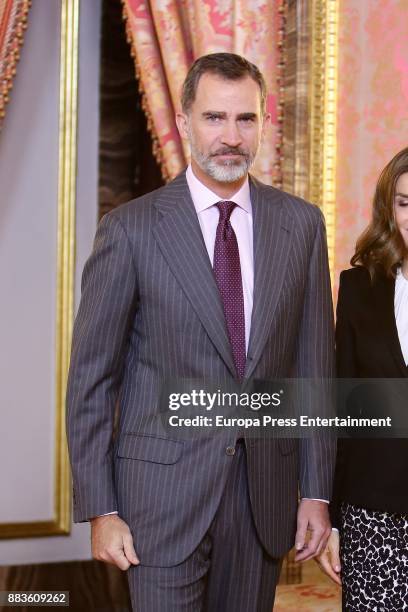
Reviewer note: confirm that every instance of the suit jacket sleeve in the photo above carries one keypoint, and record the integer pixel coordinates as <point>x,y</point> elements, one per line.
<point>346,368</point>
<point>315,360</point>
<point>107,307</point>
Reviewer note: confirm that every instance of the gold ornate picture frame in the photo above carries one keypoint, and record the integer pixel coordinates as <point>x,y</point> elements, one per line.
<point>61,522</point>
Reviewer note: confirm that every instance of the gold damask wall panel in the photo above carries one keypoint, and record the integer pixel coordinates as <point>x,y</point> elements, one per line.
<point>372,109</point>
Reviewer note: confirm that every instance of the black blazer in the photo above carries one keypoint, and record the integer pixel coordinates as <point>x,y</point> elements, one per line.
<point>371,473</point>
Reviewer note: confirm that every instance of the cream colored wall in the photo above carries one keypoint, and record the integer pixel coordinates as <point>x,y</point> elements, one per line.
<point>28,226</point>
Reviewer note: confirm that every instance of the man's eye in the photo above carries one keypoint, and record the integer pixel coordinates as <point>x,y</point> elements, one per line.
<point>247,119</point>
<point>213,117</point>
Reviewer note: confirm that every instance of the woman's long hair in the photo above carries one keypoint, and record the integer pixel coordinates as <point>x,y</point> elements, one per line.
<point>381,248</point>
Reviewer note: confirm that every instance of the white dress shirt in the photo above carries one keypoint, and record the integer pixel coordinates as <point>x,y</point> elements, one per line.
<point>401,311</point>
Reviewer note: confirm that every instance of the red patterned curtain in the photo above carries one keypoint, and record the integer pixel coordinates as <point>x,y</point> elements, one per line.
<point>166,36</point>
<point>13,22</point>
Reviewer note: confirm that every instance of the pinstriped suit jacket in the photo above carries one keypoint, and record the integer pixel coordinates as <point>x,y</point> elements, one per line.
<point>150,309</point>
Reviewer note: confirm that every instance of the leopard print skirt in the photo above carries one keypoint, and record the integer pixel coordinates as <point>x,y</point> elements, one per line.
<point>374,557</point>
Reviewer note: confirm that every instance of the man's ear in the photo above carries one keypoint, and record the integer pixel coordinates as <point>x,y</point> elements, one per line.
<point>182,125</point>
<point>265,122</point>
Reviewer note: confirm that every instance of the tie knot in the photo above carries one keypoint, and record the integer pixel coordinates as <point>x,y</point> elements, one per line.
<point>225,209</point>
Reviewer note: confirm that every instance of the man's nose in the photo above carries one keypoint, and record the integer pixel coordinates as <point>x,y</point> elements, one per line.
<point>231,134</point>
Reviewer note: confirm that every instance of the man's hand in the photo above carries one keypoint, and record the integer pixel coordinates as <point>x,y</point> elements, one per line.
<point>312,516</point>
<point>329,558</point>
<point>112,541</point>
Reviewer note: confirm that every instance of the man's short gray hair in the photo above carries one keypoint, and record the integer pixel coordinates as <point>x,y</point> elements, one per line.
<point>229,66</point>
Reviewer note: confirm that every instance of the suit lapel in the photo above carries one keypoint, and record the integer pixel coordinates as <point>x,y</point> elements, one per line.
<point>385,290</point>
<point>272,243</point>
<point>180,240</point>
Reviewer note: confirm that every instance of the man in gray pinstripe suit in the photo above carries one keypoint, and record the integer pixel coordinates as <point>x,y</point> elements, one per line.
<point>215,276</point>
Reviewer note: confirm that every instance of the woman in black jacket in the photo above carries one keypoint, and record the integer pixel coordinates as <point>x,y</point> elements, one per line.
<point>370,496</point>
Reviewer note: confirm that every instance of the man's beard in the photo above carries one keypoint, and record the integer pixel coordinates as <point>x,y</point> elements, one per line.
<point>229,170</point>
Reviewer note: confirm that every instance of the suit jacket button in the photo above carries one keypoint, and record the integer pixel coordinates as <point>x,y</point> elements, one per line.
<point>230,450</point>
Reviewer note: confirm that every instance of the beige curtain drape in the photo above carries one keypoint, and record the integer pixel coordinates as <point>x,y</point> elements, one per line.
<point>166,36</point>
<point>13,22</point>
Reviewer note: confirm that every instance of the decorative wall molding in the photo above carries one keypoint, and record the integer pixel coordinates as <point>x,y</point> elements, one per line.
<point>310,106</point>
<point>323,113</point>
<point>295,165</point>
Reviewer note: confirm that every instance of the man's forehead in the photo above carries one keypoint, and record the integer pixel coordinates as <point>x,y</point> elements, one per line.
<point>209,79</point>
<point>215,93</point>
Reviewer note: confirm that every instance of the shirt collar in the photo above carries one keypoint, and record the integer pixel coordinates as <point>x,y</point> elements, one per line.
<point>205,198</point>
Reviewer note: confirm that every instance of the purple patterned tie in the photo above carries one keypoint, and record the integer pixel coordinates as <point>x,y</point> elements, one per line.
<point>227,272</point>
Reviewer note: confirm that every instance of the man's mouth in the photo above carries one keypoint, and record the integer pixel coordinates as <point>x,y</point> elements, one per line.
<point>227,153</point>
<point>229,156</point>
<point>232,155</point>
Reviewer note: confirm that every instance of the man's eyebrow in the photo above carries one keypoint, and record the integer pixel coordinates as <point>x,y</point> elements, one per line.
<point>247,116</point>
<point>211,113</point>
<point>223,114</point>
<point>402,195</point>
